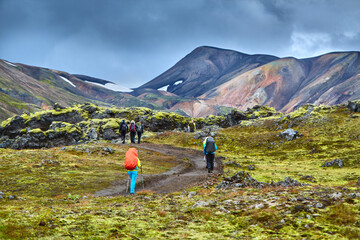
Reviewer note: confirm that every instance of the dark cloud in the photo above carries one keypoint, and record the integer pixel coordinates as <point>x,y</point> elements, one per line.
<point>131,42</point>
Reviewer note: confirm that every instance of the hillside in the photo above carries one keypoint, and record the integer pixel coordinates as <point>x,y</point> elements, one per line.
<point>213,80</point>
<point>274,185</point>
<point>25,88</point>
<point>207,81</point>
<point>204,69</point>
<point>288,83</point>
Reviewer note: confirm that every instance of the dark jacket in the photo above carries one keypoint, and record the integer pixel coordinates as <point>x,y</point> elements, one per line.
<point>122,129</point>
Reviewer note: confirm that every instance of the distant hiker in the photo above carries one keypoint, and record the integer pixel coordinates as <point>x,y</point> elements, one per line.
<point>123,130</point>
<point>192,126</point>
<point>139,130</point>
<point>209,149</point>
<point>132,131</point>
<point>132,164</point>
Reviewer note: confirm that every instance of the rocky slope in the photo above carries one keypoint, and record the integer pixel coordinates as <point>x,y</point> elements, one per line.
<point>204,69</point>
<point>25,88</point>
<point>207,81</point>
<point>288,83</point>
<point>88,122</point>
<point>218,78</point>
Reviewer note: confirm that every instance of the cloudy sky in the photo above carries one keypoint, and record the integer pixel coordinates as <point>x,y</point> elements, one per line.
<point>130,42</point>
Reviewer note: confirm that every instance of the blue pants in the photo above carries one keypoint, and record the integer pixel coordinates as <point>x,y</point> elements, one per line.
<point>133,176</point>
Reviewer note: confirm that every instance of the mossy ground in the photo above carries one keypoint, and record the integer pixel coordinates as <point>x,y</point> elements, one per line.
<point>54,201</point>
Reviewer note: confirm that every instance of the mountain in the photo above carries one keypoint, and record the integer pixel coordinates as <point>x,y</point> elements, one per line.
<point>288,83</point>
<point>206,81</point>
<point>215,79</point>
<point>204,69</point>
<point>25,88</point>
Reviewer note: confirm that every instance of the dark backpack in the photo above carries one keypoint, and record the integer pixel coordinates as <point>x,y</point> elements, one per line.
<point>132,127</point>
<point>210,145</point>
<point>123,127</point>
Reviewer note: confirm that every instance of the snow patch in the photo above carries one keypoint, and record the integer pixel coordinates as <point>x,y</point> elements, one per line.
<point>11,64</point>
<point>68,81</point>
<point>178,82</point>
<point>163,88</point>
<point>112,86</point>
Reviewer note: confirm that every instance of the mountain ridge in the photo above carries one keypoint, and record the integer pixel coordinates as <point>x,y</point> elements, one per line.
<point>208,80</point>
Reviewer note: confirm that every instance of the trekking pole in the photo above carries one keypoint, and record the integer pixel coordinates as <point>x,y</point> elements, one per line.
<point>127,185</point>
<point>142,179</point>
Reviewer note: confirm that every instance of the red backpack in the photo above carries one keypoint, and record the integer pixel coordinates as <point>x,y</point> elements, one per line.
<point>131,159</point>
<point>132,127</point>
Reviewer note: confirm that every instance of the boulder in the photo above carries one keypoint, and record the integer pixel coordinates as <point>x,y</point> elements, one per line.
<point>289,134</point>
<point>334,163</point>
<point>110,134</point>
<point>243,179</point>
<point>353,106</point>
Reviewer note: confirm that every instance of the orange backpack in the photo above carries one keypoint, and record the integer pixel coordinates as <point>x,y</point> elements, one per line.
<point>131,159</point>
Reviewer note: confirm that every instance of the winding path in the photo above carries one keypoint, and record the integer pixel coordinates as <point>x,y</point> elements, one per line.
<point>178,178</point>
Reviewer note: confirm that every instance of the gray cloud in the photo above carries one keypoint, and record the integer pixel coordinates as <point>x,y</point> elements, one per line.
<point>130,42</point>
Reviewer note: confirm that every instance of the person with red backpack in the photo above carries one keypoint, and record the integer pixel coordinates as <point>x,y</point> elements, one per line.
<point>209,149</point>
<point>132,164</point>
<point>132,131</point>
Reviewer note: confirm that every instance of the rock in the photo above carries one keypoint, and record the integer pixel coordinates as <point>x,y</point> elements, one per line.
<point>350,195</point>
<point>289,134</point>
<point>58,107</point>
<point>1,193</point>
<point>335,196</point>
<point>12,197</point>
<point>288,182</point>
<point>49,162</point>
<point>108,149</point>
<point>201,204</point>
<point>110,134</point>
<point>13,128</point>
<point>259,206</point>
<point>353,106</point>
<point>319,205</point>
<point>231,163</point>
<point>308,178</point>
<point>93,134</point>
<point>1,197</point>
<point>199,135</point>
<point>227,202</point>
<point>336,163</point>
<point>251,167</point>
<point>191,194</point>
<point>224,210</point>
<point>42,223</point>
<point>243,179</point>
<point>235,117</point>
<point>300,207</point>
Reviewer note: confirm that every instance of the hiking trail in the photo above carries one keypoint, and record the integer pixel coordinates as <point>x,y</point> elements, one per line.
<point>183,176</point>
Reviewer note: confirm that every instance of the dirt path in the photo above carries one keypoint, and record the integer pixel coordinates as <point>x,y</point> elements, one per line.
<point>178,178</point>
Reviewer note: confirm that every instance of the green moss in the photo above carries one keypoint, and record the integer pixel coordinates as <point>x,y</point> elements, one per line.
<point>6,122</point>
<point>36,130</point>
<point>112,123</point>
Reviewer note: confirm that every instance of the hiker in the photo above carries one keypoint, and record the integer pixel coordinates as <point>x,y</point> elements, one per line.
<point>132,131</point>
<point>132,164</point>
<point>192,126</point>
<point>139,130</point>
<point>123,130</point>
<point>209,149</point>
